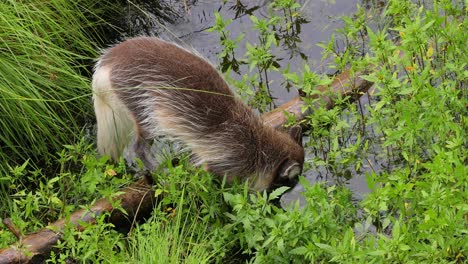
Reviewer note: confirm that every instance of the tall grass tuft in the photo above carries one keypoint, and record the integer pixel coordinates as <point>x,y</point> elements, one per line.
<point>44,96</point>
<point>179,239</point>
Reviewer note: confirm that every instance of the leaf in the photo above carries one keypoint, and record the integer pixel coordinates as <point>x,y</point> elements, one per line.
<point>405,155</point>
<point>396,230</point>
<point>55,200</point>
<point>268,241</point>
<point>377,253</point>
<point>451,144</point>
<point>292,77</point>
<point>228,197</point>
<point>278,192</point>
<point>379,105</point>
<point>110,172</point>
<point>280,244</point>
<point>54,179</point>
<point>430,51</point>
<point>406,91</point>
<point>158,192</point>
<point>254,19</point>
<point>327,248</point>
<point>404,247</point>
<point>370,181</point>
<point>299,251</point>
<point>428,25</point>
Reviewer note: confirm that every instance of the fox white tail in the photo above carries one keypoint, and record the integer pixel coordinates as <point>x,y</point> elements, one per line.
<point>115,125</point>
<point>146,87</point>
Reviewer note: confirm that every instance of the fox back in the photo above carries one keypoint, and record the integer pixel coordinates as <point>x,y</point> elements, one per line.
<point>146,87</point>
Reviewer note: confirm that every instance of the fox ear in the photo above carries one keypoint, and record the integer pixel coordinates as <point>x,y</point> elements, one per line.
<point>295,133</point>
<point>289,170</point>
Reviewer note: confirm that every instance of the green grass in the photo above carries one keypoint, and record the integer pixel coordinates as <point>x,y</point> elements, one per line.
<point>173,239</point>
<point>44,91</point>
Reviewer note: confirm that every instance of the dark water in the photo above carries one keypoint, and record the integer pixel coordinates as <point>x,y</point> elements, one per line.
<point>187,22</point>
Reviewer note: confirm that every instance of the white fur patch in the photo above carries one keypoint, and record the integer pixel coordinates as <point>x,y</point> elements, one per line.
<point>115,126</point>
<point>294,171</point>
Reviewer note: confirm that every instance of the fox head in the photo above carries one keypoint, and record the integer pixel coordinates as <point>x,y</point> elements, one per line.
<point>282,161</point>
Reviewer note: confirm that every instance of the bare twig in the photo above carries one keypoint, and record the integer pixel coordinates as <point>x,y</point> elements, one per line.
<point>13,228</point>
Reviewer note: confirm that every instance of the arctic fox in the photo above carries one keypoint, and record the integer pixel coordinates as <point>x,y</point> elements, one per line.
<point>146,87</point>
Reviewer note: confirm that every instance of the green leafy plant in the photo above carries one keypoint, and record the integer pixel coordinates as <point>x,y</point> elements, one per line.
<point>255,85</point>
<point>271,234</point>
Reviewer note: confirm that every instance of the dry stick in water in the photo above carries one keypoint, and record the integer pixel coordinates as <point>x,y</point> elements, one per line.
<point>138,199</point>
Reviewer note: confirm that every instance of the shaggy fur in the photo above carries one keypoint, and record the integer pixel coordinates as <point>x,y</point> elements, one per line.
<point>146,87</point>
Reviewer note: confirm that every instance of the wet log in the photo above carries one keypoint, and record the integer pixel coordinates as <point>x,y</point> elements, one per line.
<point>342,85</point>
<point>138,199</point>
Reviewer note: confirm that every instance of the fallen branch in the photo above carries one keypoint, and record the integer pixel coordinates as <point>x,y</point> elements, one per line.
<point>138,199</point>
<point>342,85</point>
